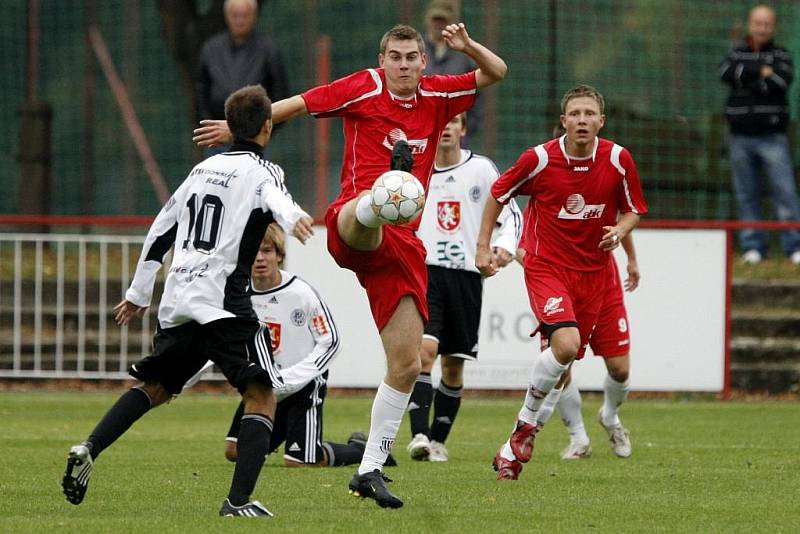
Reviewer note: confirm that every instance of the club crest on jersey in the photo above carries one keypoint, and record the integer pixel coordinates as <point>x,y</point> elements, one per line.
<point>553,305</point>
<point>320,325</point>
<point>298,317</point>
<point>448,215</point>
<point>417,146</point>
<point>576,208</point>
<point>274,335</point>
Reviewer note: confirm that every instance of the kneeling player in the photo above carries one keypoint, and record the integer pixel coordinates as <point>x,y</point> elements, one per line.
<point>304,343</point>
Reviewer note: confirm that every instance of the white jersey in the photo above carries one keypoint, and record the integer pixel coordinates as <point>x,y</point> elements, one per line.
<point>216,220</point>
<point>453,209</point>
<point>304,337</point>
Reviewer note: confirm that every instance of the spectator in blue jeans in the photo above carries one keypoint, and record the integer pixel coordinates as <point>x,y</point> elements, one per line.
<point>759,74</point>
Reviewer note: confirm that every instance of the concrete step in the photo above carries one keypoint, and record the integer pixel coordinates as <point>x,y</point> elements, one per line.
<point>762,350</point>
<point>767,294</point>
<point>765,323</point>
<point>780,378</point>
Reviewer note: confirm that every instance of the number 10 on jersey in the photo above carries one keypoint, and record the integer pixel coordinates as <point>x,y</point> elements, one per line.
<point>205,221</point>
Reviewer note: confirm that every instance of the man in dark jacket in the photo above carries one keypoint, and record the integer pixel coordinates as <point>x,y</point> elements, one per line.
<point>759,74</point>
<point>237,57</point>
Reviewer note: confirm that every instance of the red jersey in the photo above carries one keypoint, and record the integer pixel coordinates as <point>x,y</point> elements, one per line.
<point>374,119</point>
<point>572,199</point>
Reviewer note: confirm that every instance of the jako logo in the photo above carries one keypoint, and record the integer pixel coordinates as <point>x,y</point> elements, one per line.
<point>580,169</point>
<point>576,208</point>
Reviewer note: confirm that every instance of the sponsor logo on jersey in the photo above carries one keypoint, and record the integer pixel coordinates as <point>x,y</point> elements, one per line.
<point>452,253</point>
<point>582,168</point>
<point>298,317</point>
<point>320,325</point>
<point>274,335</point>
<point>448,215</point>
<point>475,193</point>
<point>553,305</point>
<point>418,146</point>
<point>576,208</point>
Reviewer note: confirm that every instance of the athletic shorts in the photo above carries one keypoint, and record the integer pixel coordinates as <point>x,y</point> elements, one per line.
<point>298,423</point>
<point>393,270</point>
<point>611,336</point>
<point>240,348</point>
<point>563,297</point>
<point>454,305</point>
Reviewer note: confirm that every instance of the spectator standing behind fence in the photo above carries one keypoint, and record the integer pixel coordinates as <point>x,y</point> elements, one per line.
<point>237,57</point>
<point>444,60</point>
<point>759,74</point>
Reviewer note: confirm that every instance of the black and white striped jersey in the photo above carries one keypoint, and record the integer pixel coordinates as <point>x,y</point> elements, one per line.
<point>304,336</point>
<point>454,204</point>
<point>216,220</point>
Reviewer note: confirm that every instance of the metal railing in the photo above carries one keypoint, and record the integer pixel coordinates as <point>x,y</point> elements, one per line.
<point>57,293</point>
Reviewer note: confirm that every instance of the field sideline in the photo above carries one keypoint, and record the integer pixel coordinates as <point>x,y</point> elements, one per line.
<point>697,466</point>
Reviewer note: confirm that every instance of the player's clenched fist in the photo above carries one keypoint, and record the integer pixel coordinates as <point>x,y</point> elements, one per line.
<point>303,228</point>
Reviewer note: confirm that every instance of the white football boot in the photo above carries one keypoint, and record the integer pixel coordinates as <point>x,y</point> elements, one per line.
<point>420,447</point>
<point>576,451</point>
<point>619,439</point>
<point>438,452</point>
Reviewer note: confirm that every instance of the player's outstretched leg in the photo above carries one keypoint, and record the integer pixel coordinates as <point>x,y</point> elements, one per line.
<point>507,467</point>
<point>372,485</point>
<point>76,477</point>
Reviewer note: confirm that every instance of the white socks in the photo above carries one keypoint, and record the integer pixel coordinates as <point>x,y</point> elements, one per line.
<point>547,407</point>
<point>364,212</point>
<point>545,374</point>
<point>387,414</point>
<point>569,406</point>
<point>614,394</point>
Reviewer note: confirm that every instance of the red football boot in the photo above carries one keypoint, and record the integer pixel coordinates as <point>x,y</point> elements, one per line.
<point>506,469</point>
<point>522,440</point>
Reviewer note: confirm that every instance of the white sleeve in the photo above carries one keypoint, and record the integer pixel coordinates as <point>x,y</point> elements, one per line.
<point>160,239</point>
<point>276,198</point>
<point>509,229</point>
<point>326,347</point>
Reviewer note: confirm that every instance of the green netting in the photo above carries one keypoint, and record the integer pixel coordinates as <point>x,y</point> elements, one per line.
<point>655,61</point>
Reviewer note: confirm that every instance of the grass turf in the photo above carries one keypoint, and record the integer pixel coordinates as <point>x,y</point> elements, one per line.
<point>697,466</point>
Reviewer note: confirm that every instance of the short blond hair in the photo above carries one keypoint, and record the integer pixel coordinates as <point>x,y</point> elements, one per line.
<point>277,238</point>
<point>582,90</point>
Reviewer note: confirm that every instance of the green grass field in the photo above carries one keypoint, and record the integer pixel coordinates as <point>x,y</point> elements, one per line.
<point>697,466</point>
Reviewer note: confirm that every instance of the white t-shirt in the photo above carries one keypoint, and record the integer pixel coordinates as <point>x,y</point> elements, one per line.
<point>216,220</point>
<point>451,220</point>
<point>304,336</point>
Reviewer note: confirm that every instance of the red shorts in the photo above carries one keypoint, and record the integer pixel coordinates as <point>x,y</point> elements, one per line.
<point>611,337</point>
<point>560,296</point>
<point>393,270</point>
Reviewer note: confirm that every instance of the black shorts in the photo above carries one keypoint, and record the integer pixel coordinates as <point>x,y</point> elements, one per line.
<point>298,423</point>
<point>454,304</point>
<point>240,348</point>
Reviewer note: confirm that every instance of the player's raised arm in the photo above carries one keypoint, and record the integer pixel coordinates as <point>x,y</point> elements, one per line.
<point>491,68</point>
<point>213,133</point>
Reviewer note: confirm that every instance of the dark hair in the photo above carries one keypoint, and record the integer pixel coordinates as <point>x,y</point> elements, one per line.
<point>580,91</point>
<point>246,111</point>
<point>402,32</point>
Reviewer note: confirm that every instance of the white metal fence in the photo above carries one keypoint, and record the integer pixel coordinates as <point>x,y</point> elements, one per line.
<point>57,293</point>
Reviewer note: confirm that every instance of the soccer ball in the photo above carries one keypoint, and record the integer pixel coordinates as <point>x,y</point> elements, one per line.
<point>397,197</point>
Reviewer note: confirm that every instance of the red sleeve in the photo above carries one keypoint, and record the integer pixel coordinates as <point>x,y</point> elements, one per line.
<point>631,196</point>
<point>338,97</point>
<point>459,92</point>
<point>510,182</point>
